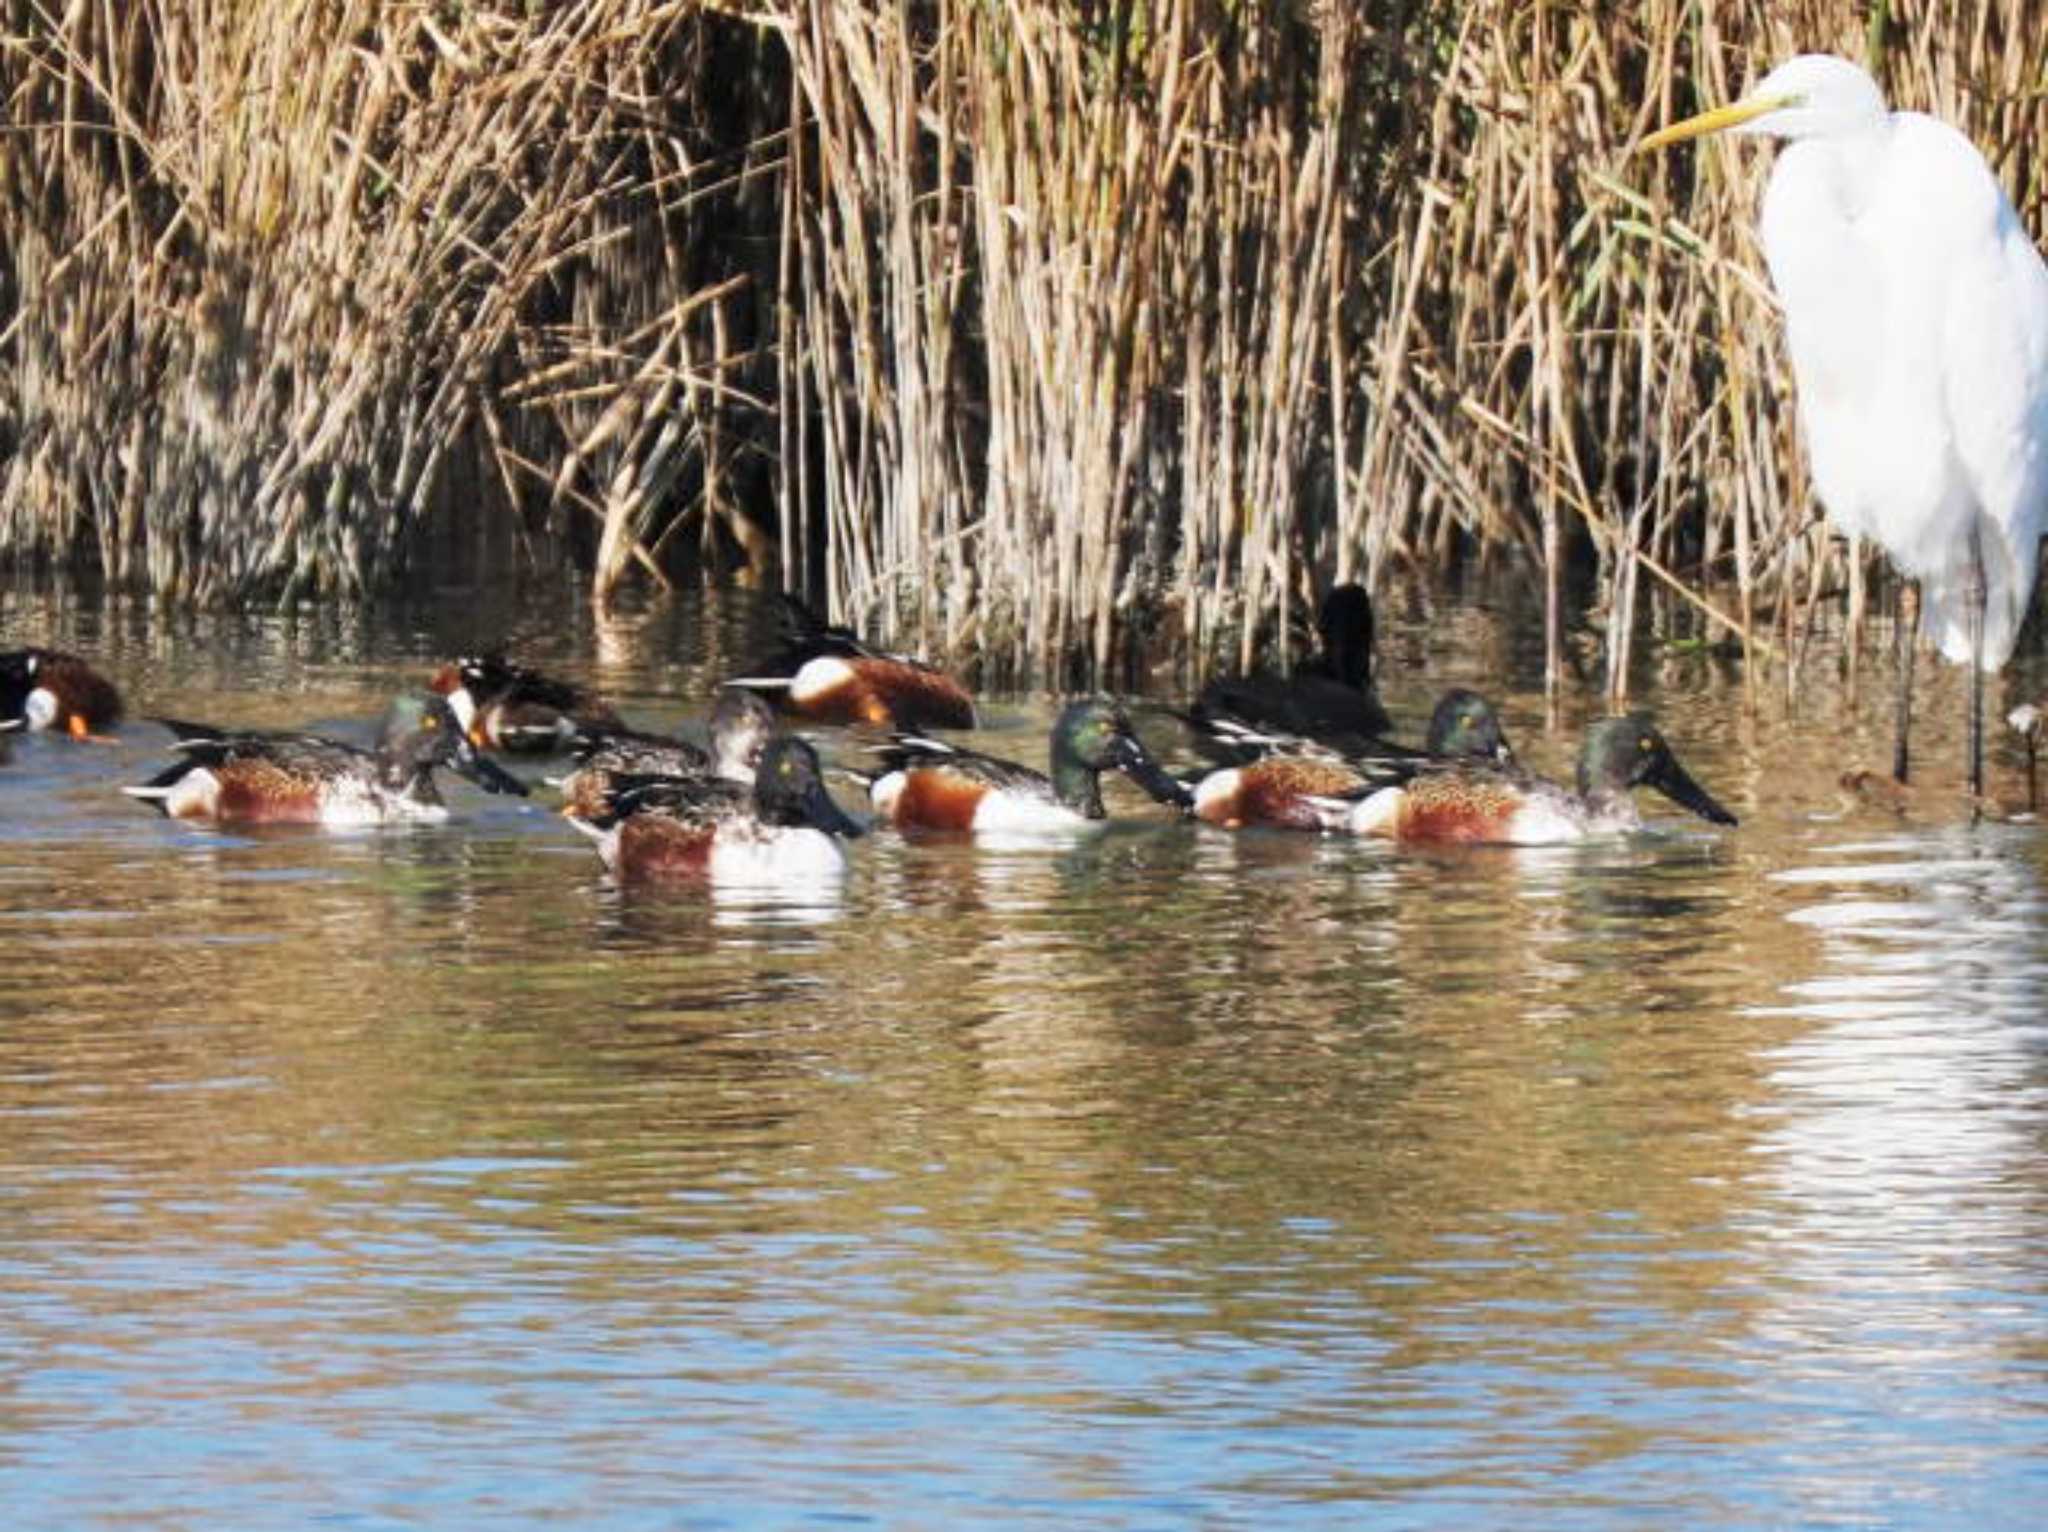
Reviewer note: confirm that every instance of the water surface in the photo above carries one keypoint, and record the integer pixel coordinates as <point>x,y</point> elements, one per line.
<point>1166,1178</point>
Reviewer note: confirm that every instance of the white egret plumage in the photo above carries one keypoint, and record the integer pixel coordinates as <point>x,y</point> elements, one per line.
<point>1916,315</point>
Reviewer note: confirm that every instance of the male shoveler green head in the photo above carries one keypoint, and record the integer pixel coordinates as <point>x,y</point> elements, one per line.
<point>264,777</point>
<point>741,727</point>
<point>1285,787</point>
<point>50,689</point>
<point>935,786</point>
<point>1328,699</point>
<point>825,673</point>
<point>503,706</point>
<point>782,828</point>
<point>1464,727</point>
<point>1491,807</point>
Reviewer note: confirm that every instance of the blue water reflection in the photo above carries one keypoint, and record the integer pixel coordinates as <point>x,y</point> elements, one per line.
<point>1162,1177</point>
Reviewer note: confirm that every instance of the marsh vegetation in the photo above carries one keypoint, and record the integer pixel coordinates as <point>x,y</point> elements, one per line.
<point>1045,333</point>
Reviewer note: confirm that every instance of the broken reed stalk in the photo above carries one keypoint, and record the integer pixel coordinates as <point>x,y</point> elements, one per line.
<point>1034,330</point>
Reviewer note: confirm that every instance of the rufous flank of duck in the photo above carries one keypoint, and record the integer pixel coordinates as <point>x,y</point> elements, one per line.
<point>782,828</point>
<point>928,784</point>
<point>1473,806</point>
<point>827,674</point>
<point>505,706</point>
<point>271,777</point>
<point>55,690</point>
<point>1280,788</point>
<point>1329,697</point>
<point>741,726</point>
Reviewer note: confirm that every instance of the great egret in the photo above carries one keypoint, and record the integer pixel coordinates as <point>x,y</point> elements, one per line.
<point>1916,313</point>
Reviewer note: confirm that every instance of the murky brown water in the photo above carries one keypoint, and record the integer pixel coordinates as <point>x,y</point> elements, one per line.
<point>1169,1178</point>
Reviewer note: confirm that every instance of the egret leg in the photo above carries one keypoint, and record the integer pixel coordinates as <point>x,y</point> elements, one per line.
<point>1904,631</point>
<point>1976,597</point>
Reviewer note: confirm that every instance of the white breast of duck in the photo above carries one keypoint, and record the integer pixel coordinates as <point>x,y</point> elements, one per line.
<point>820,678</point>
<point>357,803</point>
<point>945,797</point>
<point>39,708</point>
<point>1554,817</point>
<point>748,854</point>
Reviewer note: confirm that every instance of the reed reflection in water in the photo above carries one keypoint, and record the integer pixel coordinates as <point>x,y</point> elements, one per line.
<point>1160,1176</point>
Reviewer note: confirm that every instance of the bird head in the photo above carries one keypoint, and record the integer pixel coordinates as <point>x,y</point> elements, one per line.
<point>1812,96</point>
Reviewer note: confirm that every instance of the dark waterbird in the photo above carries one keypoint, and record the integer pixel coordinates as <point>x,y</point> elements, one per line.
<point>258,776</point>
<point>937,786</point>
<point>50,689</point>
<point>1329,698</point>
<point>741,727</point>
<point>503,706</point>
<point>1285,775</point>
<point>1494,806</point>
<point>783,826</point>
<point>828,674</point>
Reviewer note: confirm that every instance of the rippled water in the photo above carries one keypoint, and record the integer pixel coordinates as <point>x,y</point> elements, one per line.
<point>1168,1178</point>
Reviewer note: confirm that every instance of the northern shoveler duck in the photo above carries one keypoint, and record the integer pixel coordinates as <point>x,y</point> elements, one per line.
<point>503,706</point>
<point>829,675</point>
<point>936,786</point>
<point>1281,788</point>
<point>1329,698</point>
<point>252,777</point>
<point>784,827</point>
<point>49,689</point>
<point>1482,807</point>
<point>741,727</point>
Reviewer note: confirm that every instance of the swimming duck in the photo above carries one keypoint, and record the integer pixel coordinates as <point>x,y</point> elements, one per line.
<point>1329,698</point>
<point>827,674</point>
<point>50,689</point>
<point>1281,789</point>
<point>1472,806</point>
<point>936,786</point>
<point>263,777</point>
<point>741,726</point>
<point>782,827</point>
<point>503,706</point>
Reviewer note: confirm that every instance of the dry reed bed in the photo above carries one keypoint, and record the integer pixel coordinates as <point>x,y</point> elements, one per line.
<point>1031,331</point>
<point>285,281</point>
